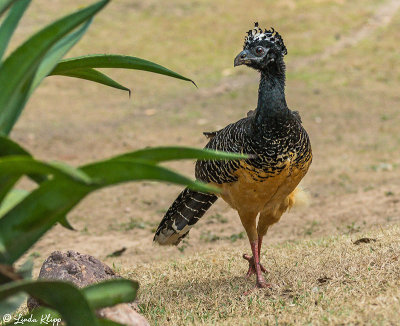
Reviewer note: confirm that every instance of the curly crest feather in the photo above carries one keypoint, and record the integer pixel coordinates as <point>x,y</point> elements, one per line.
<point>257,35</point>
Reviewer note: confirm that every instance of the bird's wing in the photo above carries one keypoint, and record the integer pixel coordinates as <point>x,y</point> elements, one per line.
<point>251,113</point>
<point>297,116</point>
<point>210,134</point>
<point>232,139</point>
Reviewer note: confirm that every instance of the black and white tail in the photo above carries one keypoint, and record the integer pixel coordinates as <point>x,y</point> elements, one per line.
<point>185,211</point>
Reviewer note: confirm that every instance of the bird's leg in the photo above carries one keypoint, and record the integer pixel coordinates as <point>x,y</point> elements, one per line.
<point>248,220</point>
<point>266,219</point>
<point>261,283</point>
<point>252,267</point>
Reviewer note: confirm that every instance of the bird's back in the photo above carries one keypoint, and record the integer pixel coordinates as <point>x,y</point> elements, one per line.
<point>273,146</point>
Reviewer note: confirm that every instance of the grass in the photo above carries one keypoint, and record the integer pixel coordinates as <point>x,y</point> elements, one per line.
<point>318,282</point>
<point>349,105</point>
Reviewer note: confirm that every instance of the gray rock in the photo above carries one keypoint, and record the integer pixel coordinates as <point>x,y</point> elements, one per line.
<point>83,270</point>
<point>124,314</point>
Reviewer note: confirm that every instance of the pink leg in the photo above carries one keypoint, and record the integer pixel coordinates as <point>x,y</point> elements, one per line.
<point>252,267</point>
<point>260,278</point>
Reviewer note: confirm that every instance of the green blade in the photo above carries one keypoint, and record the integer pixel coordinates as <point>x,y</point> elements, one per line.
<point>26,222</point>
<point>65,223</point>
<point>110,293</point>
<point>10,23</point>
<point>43,311</point>
<point>68,300</point>
<point>162,154</point>
<point>6,184</point>
<point>13,198</point>
<point>95,76</point>
<point>37,315</point>
<point>56,53</point>
<point>113,61</point>
<point>12,303</point>
<point>13,167</point>
<point>36,214</point>
<point>112,172</point>
<point>20,165</point>
<point>9,147</point>
<point>18,70</point>
<point>5,4</point>
<point>54,315</point>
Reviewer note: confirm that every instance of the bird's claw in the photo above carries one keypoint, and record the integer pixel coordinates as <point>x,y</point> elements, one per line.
<point>252,267</point>
<point>259,285</point>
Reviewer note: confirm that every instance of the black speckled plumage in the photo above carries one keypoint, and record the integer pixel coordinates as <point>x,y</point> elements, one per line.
<point>277,140</point>
<point>272,134</point>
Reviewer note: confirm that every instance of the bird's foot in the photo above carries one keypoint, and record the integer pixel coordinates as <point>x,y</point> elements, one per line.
<point>260,284</point>
<point>252,267</point>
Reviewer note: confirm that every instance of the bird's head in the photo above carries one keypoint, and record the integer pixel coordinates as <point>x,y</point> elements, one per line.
<point>261,48</point>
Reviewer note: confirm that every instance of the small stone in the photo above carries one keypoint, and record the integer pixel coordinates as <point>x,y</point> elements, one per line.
<point>56,256</point>
<point>83,270</point>
<point>124,314</point>
<point>72,268</point>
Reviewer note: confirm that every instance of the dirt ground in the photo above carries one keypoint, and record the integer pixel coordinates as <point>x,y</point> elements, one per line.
<point>343,77</point>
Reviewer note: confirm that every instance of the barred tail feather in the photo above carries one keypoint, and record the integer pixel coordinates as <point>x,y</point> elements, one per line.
<point>185,211</point>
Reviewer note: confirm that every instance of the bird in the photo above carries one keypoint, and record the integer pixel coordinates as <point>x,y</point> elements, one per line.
<point>264,185</point>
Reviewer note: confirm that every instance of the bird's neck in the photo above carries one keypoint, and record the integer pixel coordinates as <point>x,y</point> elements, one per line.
<point>271,94</point>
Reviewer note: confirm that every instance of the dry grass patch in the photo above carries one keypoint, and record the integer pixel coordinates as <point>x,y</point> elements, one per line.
<point>325,281</point>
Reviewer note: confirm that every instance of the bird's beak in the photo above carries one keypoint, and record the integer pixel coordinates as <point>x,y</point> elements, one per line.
<point>241,58</point>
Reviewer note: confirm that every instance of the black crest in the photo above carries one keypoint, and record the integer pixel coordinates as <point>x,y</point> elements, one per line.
<point>257,34</point>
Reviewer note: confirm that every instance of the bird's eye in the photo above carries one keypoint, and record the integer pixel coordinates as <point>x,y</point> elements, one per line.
<point>259,50</point>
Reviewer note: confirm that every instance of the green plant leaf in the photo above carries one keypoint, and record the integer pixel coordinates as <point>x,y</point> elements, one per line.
<point>111,292</point>
<point>19,69</point>
<point>104,294</point>
<point>56,53</point>
<point>36,214</point>
<point>68,300</point>
<point>6,184</point>
<point>20,165</point>
<point>5,4</point>
<point>12,303</point>
<point>26,222</point>
<point>44,311</point>
<point>65,223</point>
<point>95,76</point>
<point>37,314</point>
<point>10,147</point>
<point>13,198</point>
<point>113,61</point>
<point>162,154</point>
<point>10,23</point>
<point>112,172</point>
<point>7,148</point>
